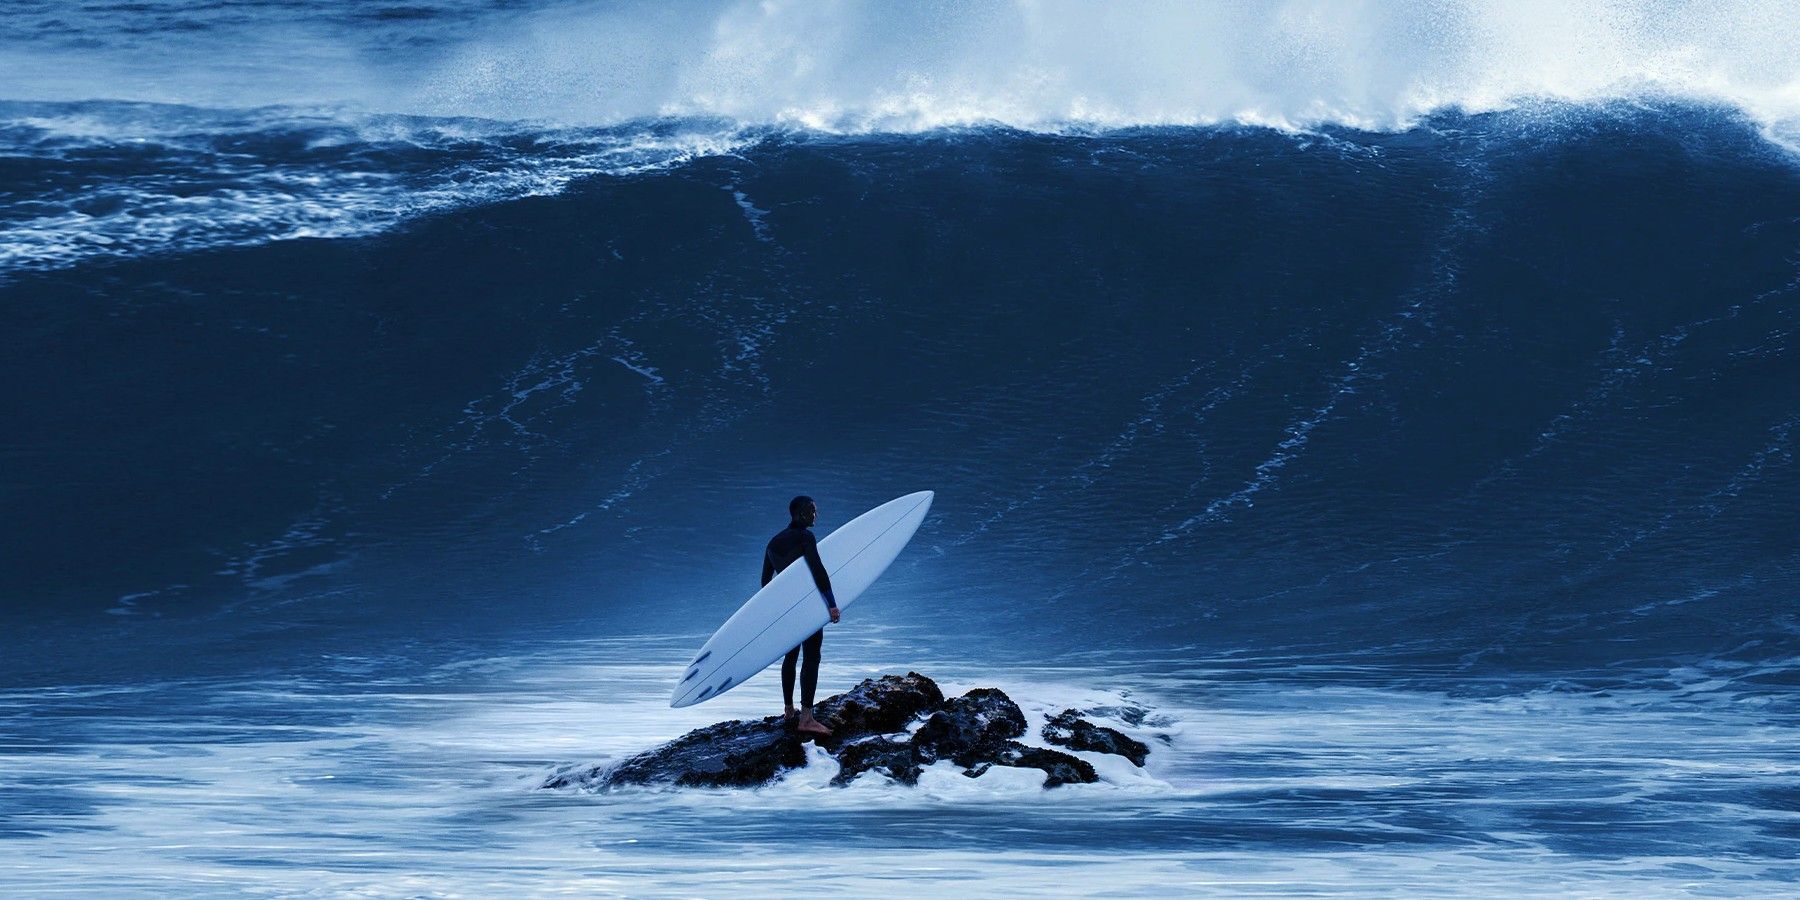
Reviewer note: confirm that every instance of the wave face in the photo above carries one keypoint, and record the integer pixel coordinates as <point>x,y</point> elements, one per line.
<point>1512,390</point>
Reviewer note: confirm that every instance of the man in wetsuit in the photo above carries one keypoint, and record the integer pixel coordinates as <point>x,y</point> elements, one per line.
<point>797,542</point>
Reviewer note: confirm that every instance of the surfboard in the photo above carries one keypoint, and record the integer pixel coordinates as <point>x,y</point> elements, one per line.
<point>789,609</point>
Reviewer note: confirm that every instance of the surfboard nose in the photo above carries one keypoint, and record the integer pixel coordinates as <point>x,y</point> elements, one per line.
<point>925,498</point>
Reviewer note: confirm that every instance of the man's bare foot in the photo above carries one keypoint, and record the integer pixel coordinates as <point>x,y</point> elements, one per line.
<point>788,715</point>
<point>810,724</point>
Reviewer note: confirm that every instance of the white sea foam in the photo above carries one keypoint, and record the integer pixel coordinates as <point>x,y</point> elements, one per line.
<point>742,67</point>
<point>198,198</point>
<point>372,775</point>
<point>868,65</point>
<point>201,180</point>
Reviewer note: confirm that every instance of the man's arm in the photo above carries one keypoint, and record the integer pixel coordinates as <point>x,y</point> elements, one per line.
<point>820,577</point>
<point>768,568</point>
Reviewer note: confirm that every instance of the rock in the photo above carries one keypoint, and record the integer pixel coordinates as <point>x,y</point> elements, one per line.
<point>877,706</point>
<point>976,731</point>
<point>1059,767</point>
<point>970,729</point>
<point>729,754</point>
<point>895,759</point>
<point>869,722</point>
<point>1070,730</point>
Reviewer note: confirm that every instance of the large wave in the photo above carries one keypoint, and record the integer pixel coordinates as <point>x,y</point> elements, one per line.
<point>1504,386</point>
<point>1476,392</point>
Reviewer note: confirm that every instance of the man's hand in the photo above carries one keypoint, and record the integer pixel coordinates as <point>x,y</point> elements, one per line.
<point>834,615</point>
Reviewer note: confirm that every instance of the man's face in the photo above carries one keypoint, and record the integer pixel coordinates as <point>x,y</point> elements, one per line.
<point>810,514</point>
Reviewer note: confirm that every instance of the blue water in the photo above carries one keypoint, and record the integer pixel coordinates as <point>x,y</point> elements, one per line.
<point>398,396</point>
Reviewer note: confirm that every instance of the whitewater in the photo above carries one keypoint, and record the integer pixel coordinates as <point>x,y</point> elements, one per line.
<point>1395,403</point>
<point>332,120</point>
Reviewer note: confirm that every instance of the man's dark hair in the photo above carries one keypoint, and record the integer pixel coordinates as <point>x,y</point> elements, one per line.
<point>798,505</point>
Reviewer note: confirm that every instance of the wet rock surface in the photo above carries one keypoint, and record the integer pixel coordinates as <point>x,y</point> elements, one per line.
<point>1069,729</point>
<point>729,754</point>
<point>870,733</point>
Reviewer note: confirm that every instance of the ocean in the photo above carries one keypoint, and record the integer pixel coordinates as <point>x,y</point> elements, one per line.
<point>1395,400</point>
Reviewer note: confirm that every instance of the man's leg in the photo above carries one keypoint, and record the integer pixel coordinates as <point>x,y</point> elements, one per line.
<point>809,673</point>
<point>809,682</point>
<point>787,681</point>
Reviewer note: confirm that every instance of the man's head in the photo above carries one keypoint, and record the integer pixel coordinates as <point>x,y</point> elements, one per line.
<point>803,510</point>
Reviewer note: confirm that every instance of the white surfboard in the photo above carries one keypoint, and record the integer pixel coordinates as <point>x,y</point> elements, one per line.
<point>789,609</point>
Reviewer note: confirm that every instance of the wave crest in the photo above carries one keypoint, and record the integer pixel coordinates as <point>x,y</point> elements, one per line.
<point>119,180</point>
<point>868,66</point>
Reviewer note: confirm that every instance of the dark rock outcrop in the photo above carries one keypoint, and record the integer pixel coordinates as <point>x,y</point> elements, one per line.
<point>1059,767</point>
<point>895,759</point>
<point>729,754</point>
<point>877,706</point>
<point>970,728</point>
<point>1069,729</point>
<point>869,723</point>
<point>974,731</point>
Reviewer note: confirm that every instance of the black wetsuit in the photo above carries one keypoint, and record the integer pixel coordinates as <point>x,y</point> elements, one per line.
<point>796,542</point>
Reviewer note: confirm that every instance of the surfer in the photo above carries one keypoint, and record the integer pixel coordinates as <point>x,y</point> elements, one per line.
<point>796,542</point>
